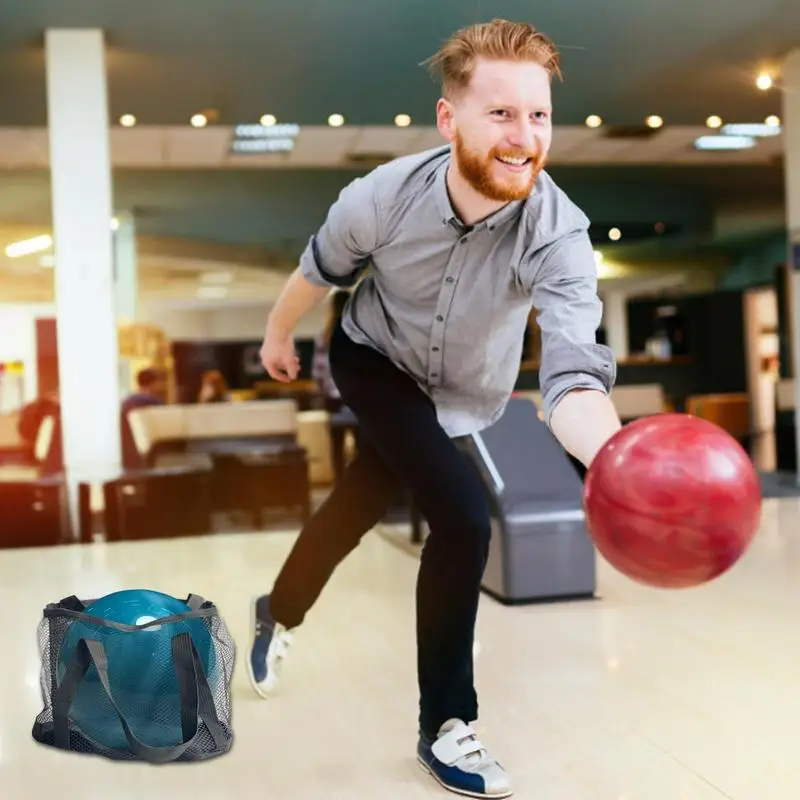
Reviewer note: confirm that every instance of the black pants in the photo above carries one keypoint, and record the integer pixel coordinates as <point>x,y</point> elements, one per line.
<point>402,446</point>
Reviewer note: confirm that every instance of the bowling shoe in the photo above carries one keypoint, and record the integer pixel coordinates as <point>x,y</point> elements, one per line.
<point>459,762</point>
<point>271,643</point>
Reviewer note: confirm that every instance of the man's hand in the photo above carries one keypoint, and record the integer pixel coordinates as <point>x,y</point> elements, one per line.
<point>279,357</point>
<point>297,298</point>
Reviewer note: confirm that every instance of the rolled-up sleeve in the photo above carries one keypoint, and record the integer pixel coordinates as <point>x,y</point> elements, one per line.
<point>339,252</point>
<point>564,292</point>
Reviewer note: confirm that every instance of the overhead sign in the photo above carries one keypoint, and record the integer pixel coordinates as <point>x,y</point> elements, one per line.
<point>264,138</point>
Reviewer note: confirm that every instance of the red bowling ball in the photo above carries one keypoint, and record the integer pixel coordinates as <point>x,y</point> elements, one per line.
<point>672,501</point>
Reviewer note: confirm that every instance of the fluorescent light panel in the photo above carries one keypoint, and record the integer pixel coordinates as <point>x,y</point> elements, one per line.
<point>724,142</point>
<point>750,129</point>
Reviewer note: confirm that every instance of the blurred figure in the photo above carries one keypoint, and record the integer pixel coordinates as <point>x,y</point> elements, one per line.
<point>151,391</point>
<point>213,388</point>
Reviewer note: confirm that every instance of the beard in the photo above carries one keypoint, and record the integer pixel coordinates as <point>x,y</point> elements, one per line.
<point>481,171</point>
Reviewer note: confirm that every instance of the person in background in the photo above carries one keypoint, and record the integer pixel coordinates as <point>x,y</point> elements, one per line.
<point>342,419</point>
<point>213,388</point>
<point>30,420</point>
<point>151,390</point>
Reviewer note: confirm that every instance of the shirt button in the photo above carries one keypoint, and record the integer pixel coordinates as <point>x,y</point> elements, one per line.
<point>435,349</point>
<point>434,374</point>
<point>450,279</point>
<point>464,240</point>
<point>439,318</point>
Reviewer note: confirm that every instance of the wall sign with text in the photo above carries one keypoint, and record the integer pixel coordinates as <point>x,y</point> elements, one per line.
<point>258,139</point>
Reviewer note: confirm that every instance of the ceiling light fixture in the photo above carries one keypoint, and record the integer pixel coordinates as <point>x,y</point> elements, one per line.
<point>654,121</point>
<point>593,121</point>
<point>212,292</point>
<point>268,120</point>
<point>335,120</point>
<point>724,142</point>
<point>199,121</point>
<point>402,120</point>
<point>216,278</point>
<point>714,121</point>
<point>764,81</point>
<point>773,121</point>
<point>615,234</point>
<point>751,129</point>
<point>29,246</point>
<point>127,120</point>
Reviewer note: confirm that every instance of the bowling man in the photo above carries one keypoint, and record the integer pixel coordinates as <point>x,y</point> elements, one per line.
<point>448,250</point>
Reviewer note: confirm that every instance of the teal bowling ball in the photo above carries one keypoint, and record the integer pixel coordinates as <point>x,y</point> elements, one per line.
<point>141,671</point>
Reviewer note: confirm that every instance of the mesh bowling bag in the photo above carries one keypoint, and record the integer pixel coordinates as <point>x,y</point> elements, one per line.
<point>153,688</point>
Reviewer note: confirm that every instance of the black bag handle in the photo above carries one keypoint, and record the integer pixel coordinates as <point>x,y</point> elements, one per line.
<point>197,701</point>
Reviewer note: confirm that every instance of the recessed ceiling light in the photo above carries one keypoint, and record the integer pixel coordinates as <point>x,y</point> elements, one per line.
<point>593,121</point>
<point>402,120</point>
<point>654,121</point>
<point>127,120</point>
<point>773,121</point>
<point>615,234</point>
<point>199,121</point>
<point>335,120</point>
<point>714,121</point>
<point>268,120</point>
<point>764,81</point>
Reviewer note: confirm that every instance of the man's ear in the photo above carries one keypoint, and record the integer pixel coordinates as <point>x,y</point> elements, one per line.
<point>445,121</point>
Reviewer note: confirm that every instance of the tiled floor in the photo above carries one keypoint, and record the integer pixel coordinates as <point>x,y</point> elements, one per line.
<point>641,695</point>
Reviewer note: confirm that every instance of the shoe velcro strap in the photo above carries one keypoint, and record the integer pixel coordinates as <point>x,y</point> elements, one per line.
<point>455,745</point>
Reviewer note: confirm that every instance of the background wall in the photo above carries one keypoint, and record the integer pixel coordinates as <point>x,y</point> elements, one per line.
<point>223,323</point>
<point>18,338</point>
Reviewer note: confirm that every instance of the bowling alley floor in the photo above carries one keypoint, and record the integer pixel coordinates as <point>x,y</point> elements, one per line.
<point>639,695</point>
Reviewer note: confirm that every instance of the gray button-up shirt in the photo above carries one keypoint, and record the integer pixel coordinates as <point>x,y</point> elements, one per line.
<point>449,304</point>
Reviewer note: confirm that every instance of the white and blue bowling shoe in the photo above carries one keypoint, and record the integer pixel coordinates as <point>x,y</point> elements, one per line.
<point>270,646</point>
<point>459,762</point>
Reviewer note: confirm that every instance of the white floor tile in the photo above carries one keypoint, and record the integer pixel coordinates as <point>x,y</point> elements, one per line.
<point>640,695</point>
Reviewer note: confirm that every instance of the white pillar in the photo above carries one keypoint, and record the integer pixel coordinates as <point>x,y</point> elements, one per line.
<point>126,270</point>
<point>615,312</point>
<point>84,285</point>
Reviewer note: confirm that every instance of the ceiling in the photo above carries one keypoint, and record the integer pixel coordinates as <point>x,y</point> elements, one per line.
<point>275,211</point>
<point>169,274</point>
<point>301,61</point>
<point>351,147</point>
<point>172,276</point>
